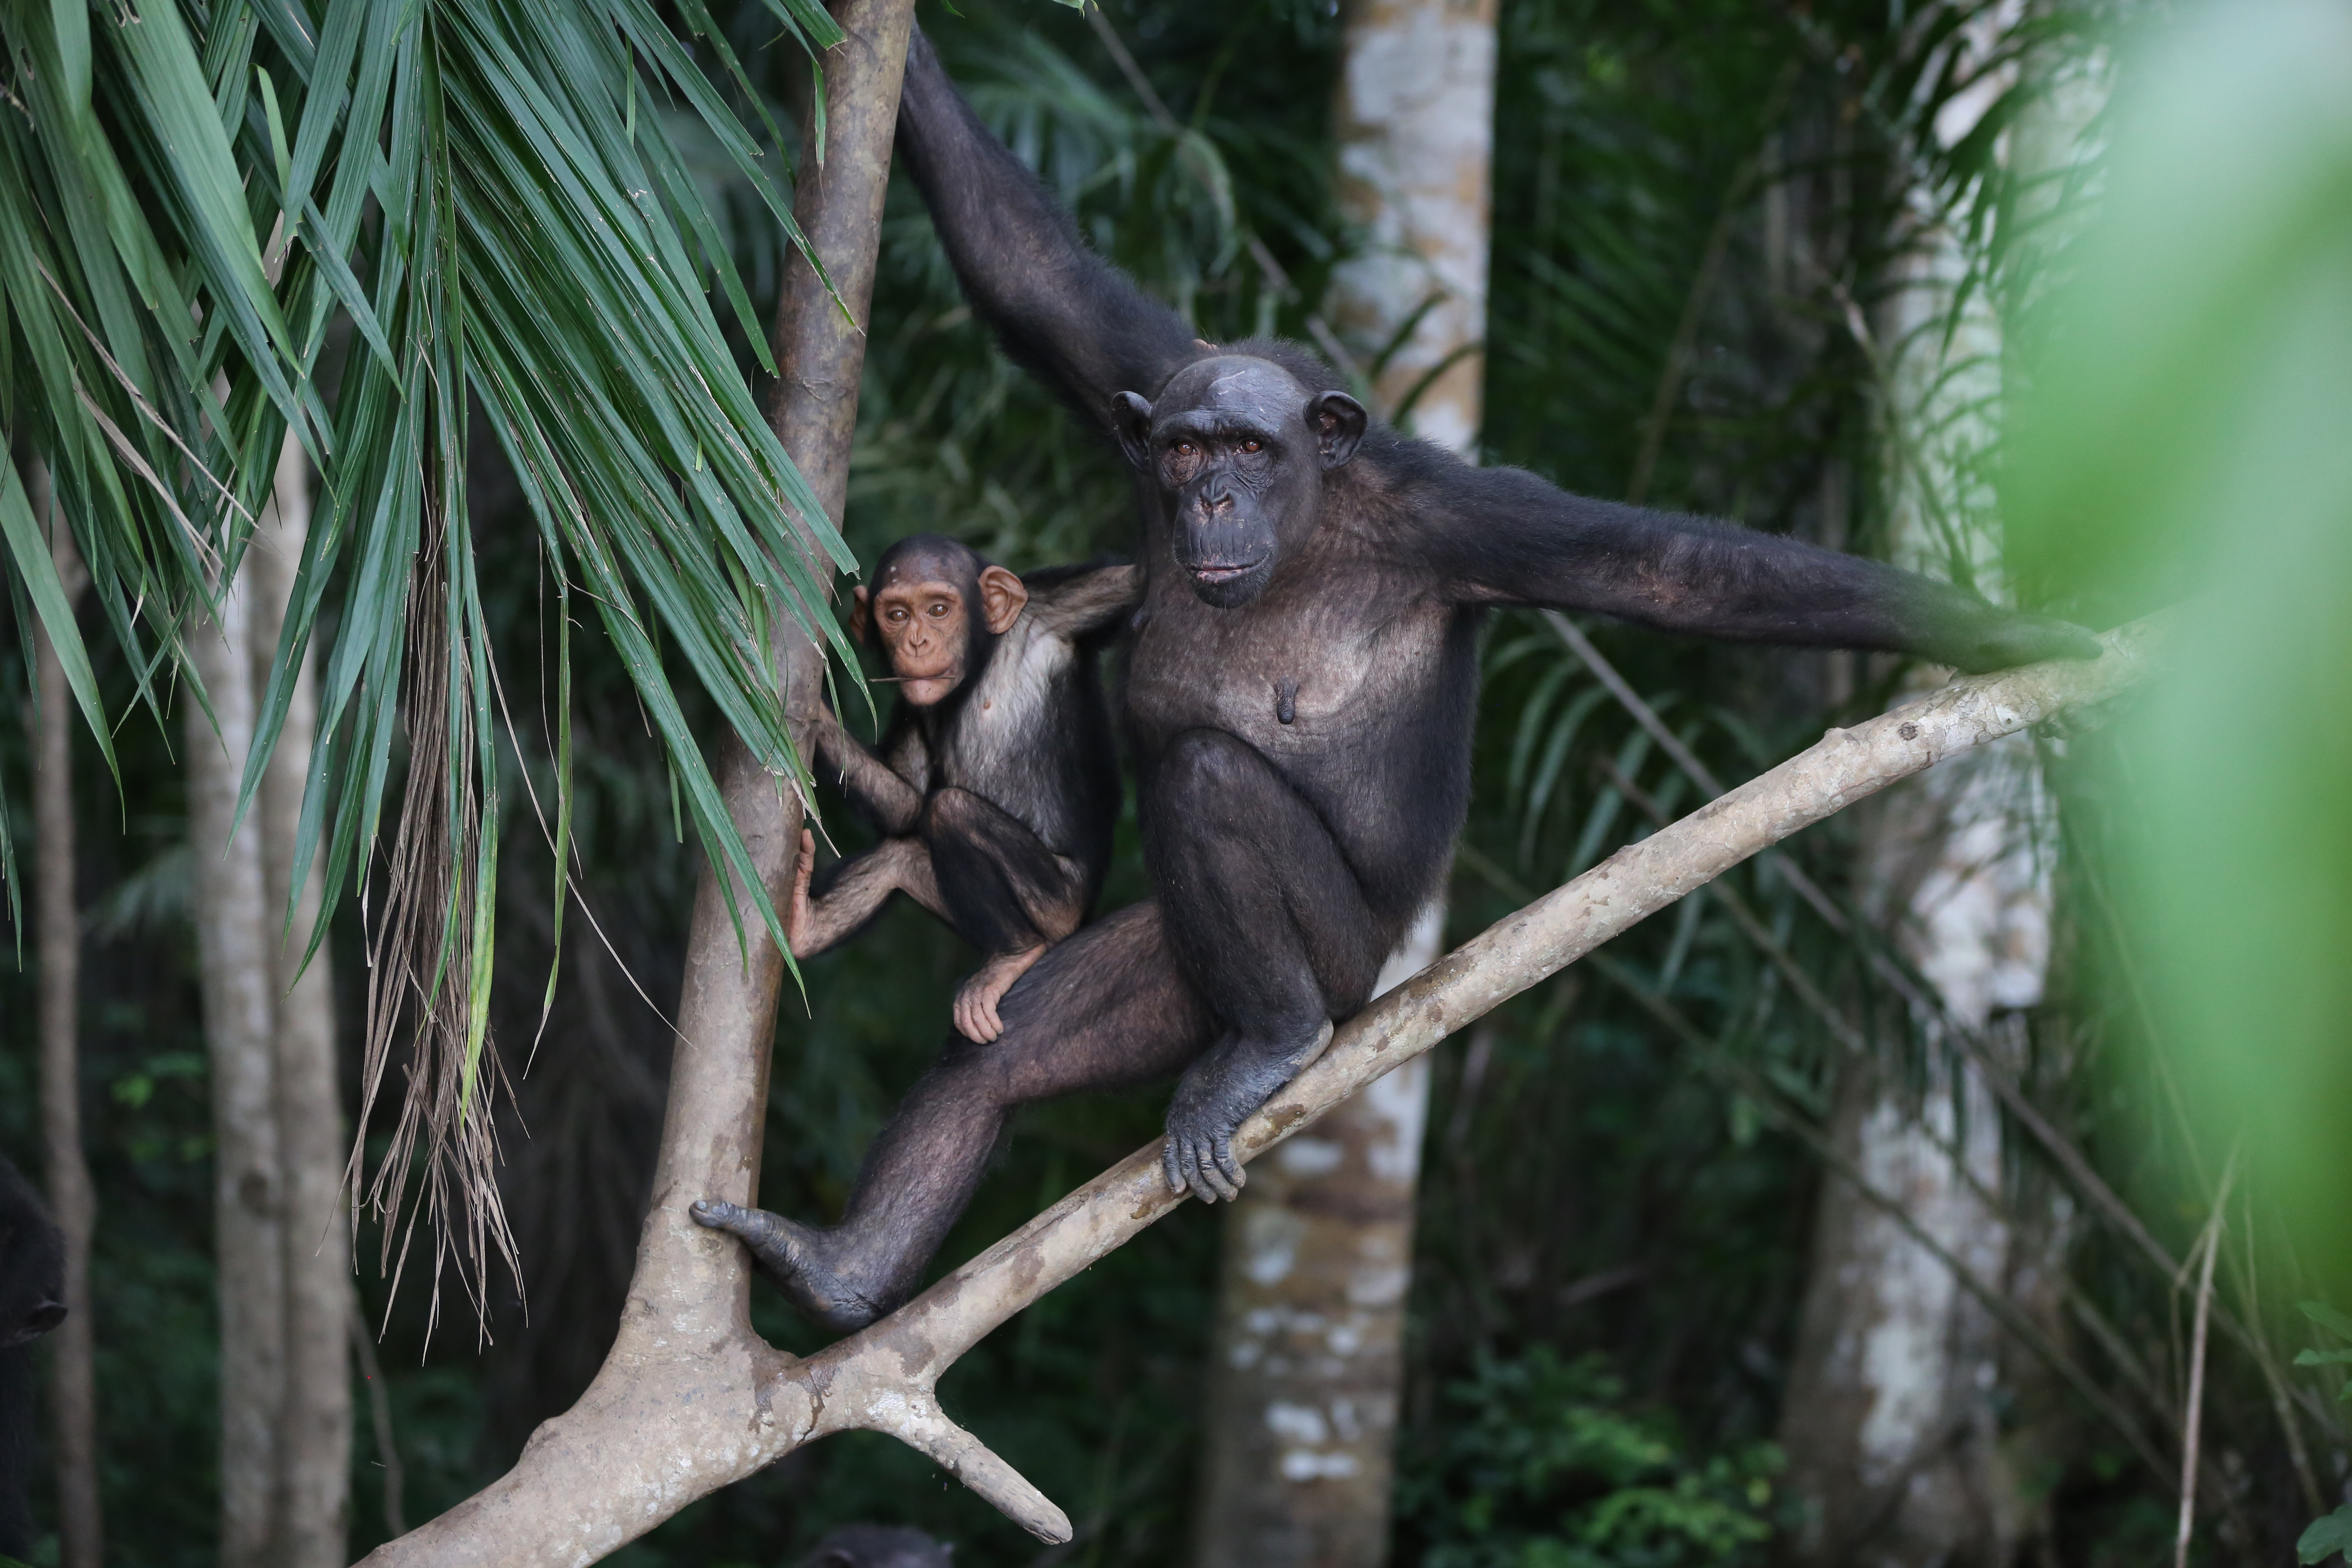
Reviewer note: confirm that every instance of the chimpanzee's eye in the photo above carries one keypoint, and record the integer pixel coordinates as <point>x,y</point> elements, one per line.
<point>1185,448</point>
<point>1253,445</point>
<point>939,608</point>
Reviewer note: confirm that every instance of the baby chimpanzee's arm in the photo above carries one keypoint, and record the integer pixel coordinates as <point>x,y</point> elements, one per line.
<point>889,795</point>
<point>1502,536</point>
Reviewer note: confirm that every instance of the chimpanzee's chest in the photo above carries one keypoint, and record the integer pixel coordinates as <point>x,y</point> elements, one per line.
<point>1316,676</point>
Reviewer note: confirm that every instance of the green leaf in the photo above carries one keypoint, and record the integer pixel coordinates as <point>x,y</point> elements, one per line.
<point>2326,1537</point>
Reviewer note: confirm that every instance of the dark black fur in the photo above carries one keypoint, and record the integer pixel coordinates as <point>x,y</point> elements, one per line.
<point>1300,693</point>
<point>32,1302</point>
<point>877,1546</point>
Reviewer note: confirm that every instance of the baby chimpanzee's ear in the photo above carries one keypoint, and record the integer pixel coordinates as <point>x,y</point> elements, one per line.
<point>1338,421</point>
<point>1001,596</point>
<point>861,617</point>
<point>1131,417</point>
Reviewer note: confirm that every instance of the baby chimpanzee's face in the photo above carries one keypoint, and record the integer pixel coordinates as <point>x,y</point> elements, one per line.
<point>926,631</point>
<point>934,629</point>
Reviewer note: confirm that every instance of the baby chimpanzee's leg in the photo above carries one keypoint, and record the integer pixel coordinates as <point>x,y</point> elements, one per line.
<point>1103,1010</point>
<point>1007,892</point>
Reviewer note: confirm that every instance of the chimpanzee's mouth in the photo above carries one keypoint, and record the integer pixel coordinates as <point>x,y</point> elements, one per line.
<point>1212,574</point>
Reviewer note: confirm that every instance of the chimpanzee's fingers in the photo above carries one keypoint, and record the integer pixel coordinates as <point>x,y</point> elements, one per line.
<point>1231,1165</point>
<point>1167,1167</point>
<point>716,1213</point>
<point>990,1019</point>
<point>1208,1181</point>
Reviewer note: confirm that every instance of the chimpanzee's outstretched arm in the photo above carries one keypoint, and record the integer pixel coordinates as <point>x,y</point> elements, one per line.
<point>1502,536</point>
<point>1058,309</point>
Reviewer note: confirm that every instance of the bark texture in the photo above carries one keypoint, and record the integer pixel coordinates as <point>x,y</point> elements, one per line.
<point>72,1199</point>
<point>315,1426</point>
<point>1416,132</point>
<point>280,1245</point>
<point>234,948</point>
<point>690,1399</point>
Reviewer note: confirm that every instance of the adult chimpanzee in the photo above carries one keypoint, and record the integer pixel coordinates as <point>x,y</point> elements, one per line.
<point>1299,696</point>
<point>996,788</point>
<point>32,1288</point>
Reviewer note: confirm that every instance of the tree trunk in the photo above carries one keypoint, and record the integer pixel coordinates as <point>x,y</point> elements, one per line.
<point>1893,1424</point>
<point>233,927</point>
<point>315,1427</point>
<point>72,1199</point>
<point>1310,1349</point>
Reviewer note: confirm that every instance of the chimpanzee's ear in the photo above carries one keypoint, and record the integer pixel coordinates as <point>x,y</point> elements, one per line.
<point>1338,421</point>
<point>1002,595</point>
<point>861,617</point>
<point>1131,417</point>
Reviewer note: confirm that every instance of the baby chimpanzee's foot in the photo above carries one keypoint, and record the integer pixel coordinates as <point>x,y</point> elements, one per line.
<point>976,1018</point>
<point>793,1254</point>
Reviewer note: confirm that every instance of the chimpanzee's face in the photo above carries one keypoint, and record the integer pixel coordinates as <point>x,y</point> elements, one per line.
<point>1242,448</point>
<point>933,618</point>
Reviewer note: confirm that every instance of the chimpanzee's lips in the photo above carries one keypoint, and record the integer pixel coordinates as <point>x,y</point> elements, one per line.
<point>1209,573</point>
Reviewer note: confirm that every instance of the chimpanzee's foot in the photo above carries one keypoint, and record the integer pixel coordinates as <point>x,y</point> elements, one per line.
<point>1216,1094</point>
<point>975,1005</point>
<point>793,1254</point>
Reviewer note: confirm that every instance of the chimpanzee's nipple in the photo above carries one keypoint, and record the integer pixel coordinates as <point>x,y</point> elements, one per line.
<point>1286,699</point>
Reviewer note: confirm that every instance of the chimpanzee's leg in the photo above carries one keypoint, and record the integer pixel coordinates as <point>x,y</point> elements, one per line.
<point>1008,894</point>
<point>1268,924</point>
<point>1105,1009</point>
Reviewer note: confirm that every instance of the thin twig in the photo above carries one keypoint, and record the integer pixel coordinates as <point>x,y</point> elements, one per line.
<point>2211,1243</point>
<point>387,1452</point>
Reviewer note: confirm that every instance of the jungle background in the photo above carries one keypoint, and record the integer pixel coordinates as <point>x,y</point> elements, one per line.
<point>1703,215</point>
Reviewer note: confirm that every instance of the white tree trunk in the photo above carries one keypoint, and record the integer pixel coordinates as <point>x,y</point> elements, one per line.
<point>1892,1424</point>
<point>233,930</point>
<point>281,1247</point>
<point>1309,1356</point>
<point>315,1429</point>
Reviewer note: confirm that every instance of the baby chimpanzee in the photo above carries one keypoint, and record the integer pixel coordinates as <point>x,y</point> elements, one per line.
<point>32,1283</point>
<point>995,787</point>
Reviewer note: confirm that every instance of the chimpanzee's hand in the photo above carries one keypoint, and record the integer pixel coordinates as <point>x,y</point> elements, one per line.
<point>2017,637</point>
<point>797,919</point>
<point>1216,1094</point>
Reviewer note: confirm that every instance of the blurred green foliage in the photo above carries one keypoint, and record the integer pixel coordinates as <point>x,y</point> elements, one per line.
<point>1541,1464</point>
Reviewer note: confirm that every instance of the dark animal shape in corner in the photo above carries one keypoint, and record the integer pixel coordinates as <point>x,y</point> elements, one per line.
<point>879,1546</point>
<point>1299,696</point>
<point>32,1288</point>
